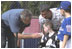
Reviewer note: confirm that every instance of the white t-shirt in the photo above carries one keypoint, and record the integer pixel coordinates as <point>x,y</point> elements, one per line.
<point>56,18</point>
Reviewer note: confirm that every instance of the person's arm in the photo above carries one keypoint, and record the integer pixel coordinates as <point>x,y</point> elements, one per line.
<point>23,36</point>
<point>64,41</point>
<point>41,19</point>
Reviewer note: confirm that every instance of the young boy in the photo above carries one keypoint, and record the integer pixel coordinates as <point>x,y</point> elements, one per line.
<point>64,34</point>
<point>48,39</point>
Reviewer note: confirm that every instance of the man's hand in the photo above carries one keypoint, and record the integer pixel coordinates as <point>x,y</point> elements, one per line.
<point>36,35</point>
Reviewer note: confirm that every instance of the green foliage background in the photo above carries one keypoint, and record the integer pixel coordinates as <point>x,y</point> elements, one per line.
<point>31,5</point>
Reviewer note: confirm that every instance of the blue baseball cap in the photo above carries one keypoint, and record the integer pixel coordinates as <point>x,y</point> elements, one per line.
<point>64,5</point>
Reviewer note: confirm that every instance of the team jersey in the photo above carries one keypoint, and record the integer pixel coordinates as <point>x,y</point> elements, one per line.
<point>65,29</point>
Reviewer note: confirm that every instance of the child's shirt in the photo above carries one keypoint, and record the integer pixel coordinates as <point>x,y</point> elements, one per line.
<point>48,40</point>
<point>65,29</point>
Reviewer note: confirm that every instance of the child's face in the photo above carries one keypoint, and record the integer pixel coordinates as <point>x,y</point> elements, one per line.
<point>46,28</point>
<point>62,12</point>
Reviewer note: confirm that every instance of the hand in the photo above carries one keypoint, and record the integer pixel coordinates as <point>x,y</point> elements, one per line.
<point>36,35</point>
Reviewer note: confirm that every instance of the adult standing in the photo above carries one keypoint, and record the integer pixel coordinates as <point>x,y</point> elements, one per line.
<point>52,14</point>
<point>15,21</point>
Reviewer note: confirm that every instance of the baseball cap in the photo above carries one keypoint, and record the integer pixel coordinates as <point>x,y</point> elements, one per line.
<point>64,5</point>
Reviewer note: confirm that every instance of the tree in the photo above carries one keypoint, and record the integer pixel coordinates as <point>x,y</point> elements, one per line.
<point>31,5</point>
